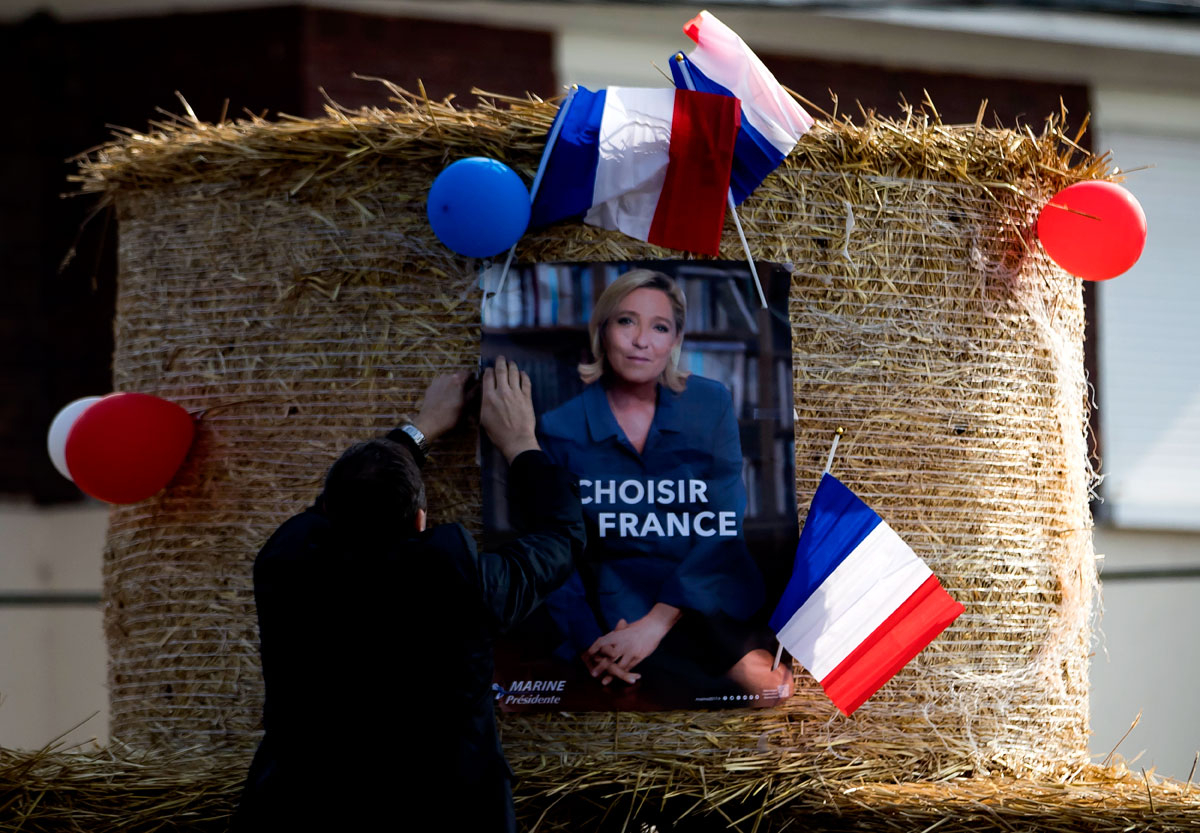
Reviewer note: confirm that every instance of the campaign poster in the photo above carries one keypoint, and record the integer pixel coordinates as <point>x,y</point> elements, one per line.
<point>666,389</point>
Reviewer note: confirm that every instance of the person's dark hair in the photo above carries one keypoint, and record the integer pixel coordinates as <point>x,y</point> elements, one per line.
<point>374,484</point>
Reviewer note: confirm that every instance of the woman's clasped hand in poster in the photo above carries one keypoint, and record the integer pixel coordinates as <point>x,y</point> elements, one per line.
<point>617,653</point>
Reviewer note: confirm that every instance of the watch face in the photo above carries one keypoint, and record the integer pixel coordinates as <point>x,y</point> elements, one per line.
<point>415,432</point>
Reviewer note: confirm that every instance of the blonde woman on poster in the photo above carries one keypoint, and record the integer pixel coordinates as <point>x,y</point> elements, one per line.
<point>666,593</point>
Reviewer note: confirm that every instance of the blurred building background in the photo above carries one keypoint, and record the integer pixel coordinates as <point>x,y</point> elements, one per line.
<point>73,67</point>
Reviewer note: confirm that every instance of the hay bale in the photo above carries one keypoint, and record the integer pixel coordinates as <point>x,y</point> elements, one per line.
<point>118,790</point>
<point>280,280</point>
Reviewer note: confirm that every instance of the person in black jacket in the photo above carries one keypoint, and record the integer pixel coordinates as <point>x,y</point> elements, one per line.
<point>376,632</point>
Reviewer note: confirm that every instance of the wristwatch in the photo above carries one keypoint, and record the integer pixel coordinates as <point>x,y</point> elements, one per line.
<point>419,444</point>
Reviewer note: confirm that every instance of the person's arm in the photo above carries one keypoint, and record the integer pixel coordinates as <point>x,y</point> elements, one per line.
<point>515,578</point>
<point>441,407</point>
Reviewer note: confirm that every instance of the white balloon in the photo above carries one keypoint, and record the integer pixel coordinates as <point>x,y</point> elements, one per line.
<point>56,439</point>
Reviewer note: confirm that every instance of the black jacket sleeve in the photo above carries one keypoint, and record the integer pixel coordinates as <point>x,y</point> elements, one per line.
<point>515,578</point>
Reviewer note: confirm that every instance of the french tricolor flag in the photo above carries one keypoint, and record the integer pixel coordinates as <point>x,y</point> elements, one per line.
<point>860,603</point>
<point>651,163</point>
<point>772,122</point>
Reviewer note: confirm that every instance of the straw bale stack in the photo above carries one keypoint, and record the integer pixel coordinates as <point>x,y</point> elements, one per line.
<point>279,279</point>
<point>118,790</point>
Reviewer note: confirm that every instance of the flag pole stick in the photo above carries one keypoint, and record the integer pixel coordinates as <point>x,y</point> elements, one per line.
<point>737,222</point>
<point>837,437</point>
<point>555,129</point>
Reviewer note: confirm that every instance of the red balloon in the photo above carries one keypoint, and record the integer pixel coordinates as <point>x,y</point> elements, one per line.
<point>1095,230</point>
<point>128,446</point>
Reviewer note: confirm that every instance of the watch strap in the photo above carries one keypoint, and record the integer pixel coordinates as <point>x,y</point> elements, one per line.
<point>411,437</point>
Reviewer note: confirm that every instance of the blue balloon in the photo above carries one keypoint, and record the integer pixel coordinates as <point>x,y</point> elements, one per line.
<point>478,207</point>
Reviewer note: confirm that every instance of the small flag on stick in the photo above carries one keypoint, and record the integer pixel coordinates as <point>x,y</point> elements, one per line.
<point>651,163</point>
<point>772,122</point>
<point>860,603</point>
